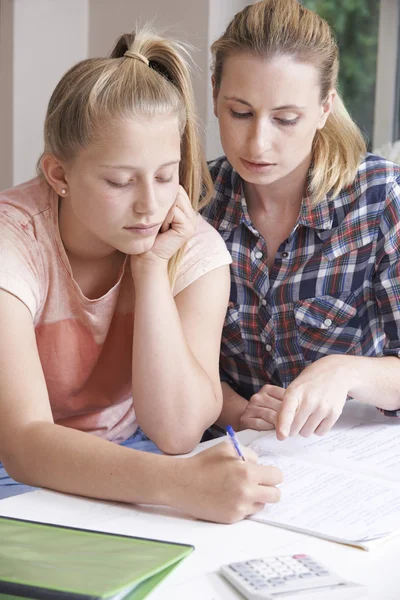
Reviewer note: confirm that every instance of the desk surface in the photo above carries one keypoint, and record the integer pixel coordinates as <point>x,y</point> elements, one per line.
<point>197,577</point>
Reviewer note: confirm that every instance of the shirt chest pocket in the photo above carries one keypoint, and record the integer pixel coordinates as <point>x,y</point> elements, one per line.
<point>327,325</point>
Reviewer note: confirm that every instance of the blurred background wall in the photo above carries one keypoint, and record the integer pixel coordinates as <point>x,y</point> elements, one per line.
<point>41,39</point>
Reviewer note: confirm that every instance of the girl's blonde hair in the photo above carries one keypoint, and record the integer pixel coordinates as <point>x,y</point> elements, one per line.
<point>96,91</point>
<point>273,28</point>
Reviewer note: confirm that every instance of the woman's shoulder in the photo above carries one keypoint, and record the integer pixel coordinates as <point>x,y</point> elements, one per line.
<point>226,184</point>
<point>220,168</point>
<point>376,172</point>
<point>376,180</point>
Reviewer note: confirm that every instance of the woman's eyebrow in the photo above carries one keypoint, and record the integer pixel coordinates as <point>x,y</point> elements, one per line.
<point>283,107</point>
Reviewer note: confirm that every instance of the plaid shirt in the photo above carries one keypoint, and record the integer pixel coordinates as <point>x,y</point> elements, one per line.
<point>334,287</point>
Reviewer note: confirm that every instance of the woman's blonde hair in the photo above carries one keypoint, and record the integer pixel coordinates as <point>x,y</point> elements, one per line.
<point>273,28</point>
<point>96,91</point>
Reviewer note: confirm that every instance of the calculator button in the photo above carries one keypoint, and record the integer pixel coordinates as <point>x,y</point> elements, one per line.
<point>256,563</point>
<point>276,580</point>
<point>236,567</point>
<point>262,586</point>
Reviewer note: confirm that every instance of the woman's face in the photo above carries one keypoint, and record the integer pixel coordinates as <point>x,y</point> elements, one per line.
<point>121,187</point>
<point>269,112</point>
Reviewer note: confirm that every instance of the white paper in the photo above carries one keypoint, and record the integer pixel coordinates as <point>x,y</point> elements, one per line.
<point>344,486</point>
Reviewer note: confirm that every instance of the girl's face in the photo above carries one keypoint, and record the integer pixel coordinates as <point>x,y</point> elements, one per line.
<point>269,112</point>
<point>121,187</point>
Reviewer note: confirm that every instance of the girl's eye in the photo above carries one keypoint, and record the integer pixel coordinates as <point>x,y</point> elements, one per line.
<point>286,122</point>
<point>239,115</point>
<point>117,185</point>
<point>163,180</point>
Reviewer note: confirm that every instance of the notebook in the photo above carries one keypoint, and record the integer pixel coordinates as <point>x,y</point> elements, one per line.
<point>51,562</point>
<point>344,486</point>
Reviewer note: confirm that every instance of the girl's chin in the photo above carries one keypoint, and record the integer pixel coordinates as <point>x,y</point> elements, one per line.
<point>139,246</point>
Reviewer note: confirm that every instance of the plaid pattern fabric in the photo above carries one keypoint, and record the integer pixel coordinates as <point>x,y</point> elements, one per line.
<point>334,287</point>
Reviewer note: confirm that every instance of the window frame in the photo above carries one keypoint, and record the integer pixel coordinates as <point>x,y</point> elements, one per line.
<point>386,110</point>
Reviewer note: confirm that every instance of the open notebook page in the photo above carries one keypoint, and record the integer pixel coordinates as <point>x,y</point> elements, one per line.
<point>344,486</point>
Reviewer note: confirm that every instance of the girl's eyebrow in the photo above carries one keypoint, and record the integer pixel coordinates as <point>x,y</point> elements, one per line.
<point>132,168</point>
<point>283,107</point>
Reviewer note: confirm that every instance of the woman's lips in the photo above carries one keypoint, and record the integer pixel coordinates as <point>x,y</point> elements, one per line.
<point>257,167</point>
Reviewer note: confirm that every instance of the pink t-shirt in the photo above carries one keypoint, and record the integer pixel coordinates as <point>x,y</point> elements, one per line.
<point>85,346</point>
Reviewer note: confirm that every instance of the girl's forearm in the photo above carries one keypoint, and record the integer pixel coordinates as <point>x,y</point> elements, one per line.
<point>174,399</point>
<point>83,464</point>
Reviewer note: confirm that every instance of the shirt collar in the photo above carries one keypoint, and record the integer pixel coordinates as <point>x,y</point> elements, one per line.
<point>316,217</point>
<point>236,213</point>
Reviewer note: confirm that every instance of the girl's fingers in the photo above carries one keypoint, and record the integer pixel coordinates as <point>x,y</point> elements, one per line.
<point>182,200</point>
<point>168,219</point>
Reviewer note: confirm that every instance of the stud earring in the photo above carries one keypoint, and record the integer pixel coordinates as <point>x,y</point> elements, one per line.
<point>63,191</point>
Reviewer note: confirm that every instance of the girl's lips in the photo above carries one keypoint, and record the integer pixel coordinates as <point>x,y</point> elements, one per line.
<point>144,229</point>
<point>257,167</point>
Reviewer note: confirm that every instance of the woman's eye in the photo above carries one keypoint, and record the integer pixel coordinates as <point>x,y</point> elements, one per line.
<point>164,180</point>
<point>287,121</point>
<point>116,184</point>
<point>239,115</point>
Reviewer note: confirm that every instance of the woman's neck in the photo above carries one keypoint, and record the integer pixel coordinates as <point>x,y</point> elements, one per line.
<point>281,197</point>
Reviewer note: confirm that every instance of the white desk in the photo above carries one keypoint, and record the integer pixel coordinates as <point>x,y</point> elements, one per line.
<point>197,577</point>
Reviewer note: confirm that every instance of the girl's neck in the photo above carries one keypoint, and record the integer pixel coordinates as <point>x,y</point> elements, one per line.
<point>77,240</point>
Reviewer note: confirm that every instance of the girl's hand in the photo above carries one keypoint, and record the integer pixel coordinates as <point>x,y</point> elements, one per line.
<point>217,486</point>
<point>178,227</point>
<point>314,401</point>
<point>263,408</point>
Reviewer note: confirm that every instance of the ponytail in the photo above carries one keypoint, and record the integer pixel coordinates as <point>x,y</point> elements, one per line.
<point>144,75</point>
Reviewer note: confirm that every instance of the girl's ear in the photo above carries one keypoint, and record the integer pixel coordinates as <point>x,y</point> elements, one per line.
<point>326,108</point>
<point>54,172</point>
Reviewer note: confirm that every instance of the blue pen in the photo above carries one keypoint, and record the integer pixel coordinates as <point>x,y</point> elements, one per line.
<point>235,442</point>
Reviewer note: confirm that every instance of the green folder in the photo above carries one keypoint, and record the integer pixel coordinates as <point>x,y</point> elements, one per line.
<point>51,562</point>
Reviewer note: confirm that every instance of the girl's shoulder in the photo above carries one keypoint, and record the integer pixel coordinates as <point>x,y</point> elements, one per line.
<point>23,203</point>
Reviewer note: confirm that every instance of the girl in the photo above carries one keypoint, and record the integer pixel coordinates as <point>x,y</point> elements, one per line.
<point>312,223</point>
<point>106,276</point>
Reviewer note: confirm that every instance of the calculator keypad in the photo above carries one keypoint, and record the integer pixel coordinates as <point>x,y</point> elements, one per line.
<point>268,573</point>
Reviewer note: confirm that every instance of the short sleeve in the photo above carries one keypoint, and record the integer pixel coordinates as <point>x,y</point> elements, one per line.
<point>204,252</point>
<point>20,262</point>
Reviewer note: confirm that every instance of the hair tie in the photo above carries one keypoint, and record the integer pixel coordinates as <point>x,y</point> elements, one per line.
<point>138,56</point>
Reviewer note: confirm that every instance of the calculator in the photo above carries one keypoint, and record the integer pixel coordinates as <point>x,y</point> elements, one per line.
<point>289,577</point>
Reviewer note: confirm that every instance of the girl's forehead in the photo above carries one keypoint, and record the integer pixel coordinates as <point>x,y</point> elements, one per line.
<point>138,139</point>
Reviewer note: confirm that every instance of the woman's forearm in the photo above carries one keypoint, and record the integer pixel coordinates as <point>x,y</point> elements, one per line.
<point>174,399</point>
<point>233,408</point>
<point>374,380</point>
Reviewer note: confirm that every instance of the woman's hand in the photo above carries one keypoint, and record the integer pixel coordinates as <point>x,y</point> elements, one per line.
<point>216,485</point>
<point>314,400</point>
<point>178,227</point>
<point>262,409</point>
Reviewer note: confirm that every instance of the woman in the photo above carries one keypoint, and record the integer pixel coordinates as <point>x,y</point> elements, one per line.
<point>105,275</point>
<point>312,223</point>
